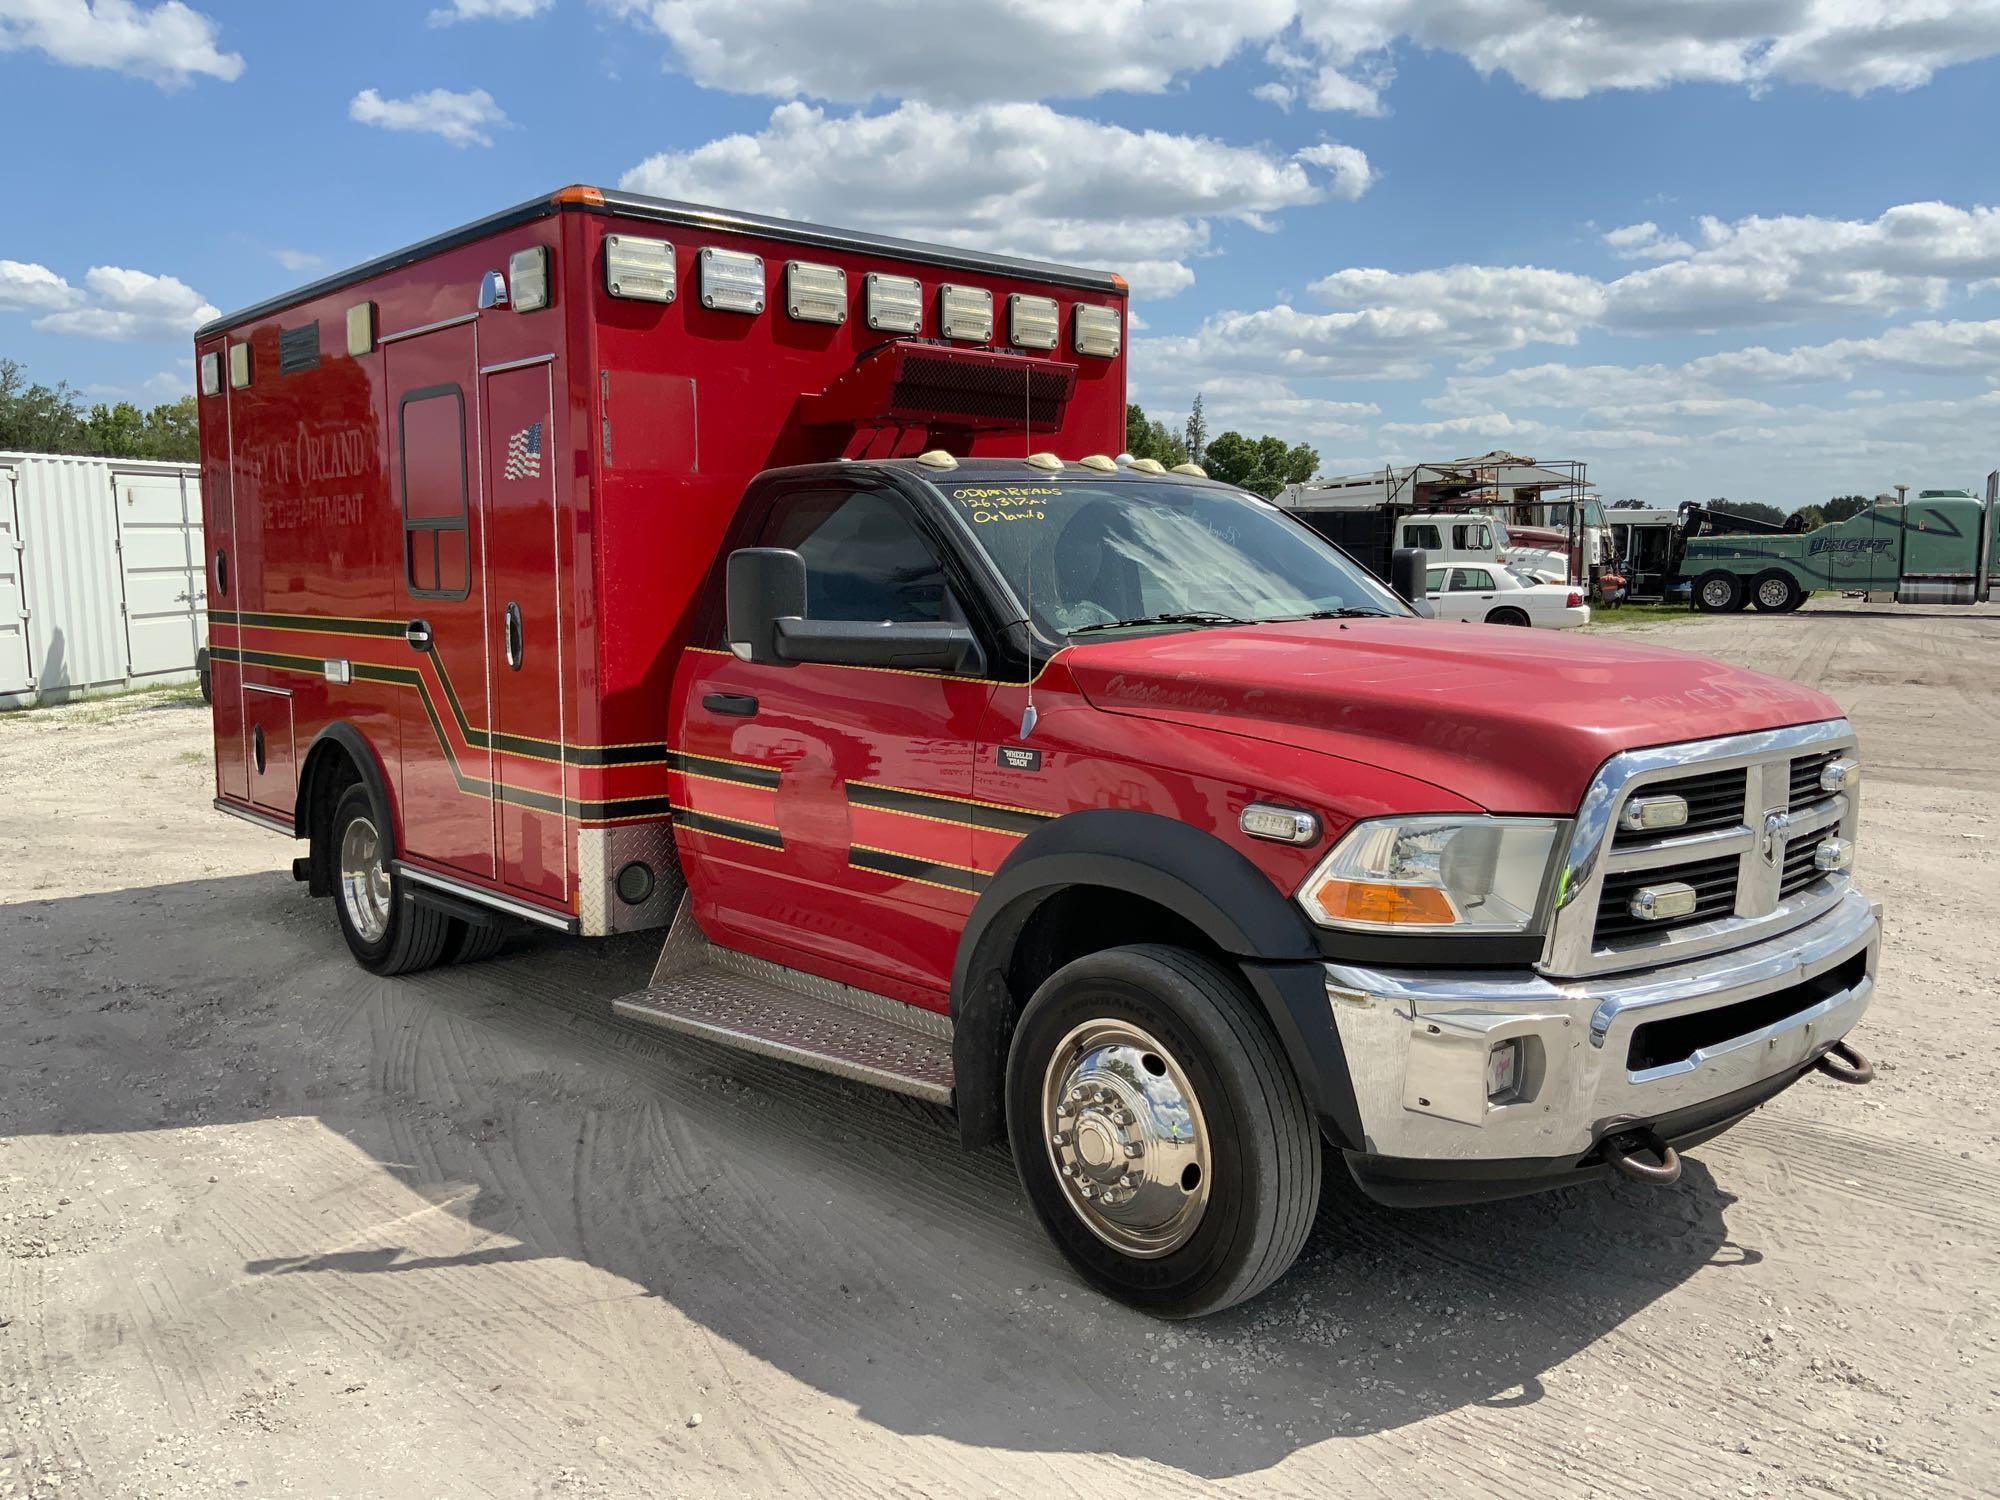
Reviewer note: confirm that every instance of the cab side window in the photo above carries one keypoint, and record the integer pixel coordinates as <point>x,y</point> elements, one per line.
<point>1424,536</point>
<point>437,560</point>
<point>865,558</point>
<point>1471,538</point>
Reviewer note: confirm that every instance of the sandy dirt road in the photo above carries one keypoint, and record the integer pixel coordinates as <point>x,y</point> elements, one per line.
<point>270,1226</point>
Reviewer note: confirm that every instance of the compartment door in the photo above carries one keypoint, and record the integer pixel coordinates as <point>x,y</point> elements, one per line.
<point>160,570</point>
<point>525,640</point>
<point>15,675</point>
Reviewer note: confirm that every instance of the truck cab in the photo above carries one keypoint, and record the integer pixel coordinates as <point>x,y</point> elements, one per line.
<point>1107,807</point>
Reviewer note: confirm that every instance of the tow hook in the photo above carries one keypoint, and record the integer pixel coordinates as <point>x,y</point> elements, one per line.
<point>1846,1063</point>
<point>1621,1151</point>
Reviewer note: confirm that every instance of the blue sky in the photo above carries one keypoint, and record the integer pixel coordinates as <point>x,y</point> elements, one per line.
<point>1713,248</point>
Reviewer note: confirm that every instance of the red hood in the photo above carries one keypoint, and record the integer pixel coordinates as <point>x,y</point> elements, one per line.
<point>1515,720</point>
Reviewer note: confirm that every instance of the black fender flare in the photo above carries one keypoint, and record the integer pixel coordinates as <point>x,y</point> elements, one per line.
<point>1188,871</point>
<point>336,738</point>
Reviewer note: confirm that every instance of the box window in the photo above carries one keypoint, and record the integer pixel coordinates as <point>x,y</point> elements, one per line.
<point>437,557</point>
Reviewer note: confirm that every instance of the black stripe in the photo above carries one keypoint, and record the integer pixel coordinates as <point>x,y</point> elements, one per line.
<point>950,809</point>
<point>916,869</point>
<point>721,770</point>
<point>749,833</point>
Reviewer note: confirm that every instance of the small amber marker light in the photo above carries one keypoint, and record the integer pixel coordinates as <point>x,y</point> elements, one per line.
<point>1121,283</point>
<point>580,193</point>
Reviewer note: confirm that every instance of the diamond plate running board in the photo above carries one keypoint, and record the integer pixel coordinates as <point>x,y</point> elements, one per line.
<point>761,1007</point>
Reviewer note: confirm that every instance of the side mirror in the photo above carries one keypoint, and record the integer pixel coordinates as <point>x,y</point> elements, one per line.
<point>763,586</point>
<point>765,593</point>
<point>1407,566</point>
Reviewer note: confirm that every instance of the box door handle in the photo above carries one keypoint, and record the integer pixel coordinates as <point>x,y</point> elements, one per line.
<point>418,634</point>
<point>513,635</point>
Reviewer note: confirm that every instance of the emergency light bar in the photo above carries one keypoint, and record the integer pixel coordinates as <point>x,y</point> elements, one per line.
<point>815,293</point>
<point>1095,331</point>
<point>1031,321</point>
<point>731,280</point>
<point>637,269</point>
<point>894,304</point>
<point>966,312</point>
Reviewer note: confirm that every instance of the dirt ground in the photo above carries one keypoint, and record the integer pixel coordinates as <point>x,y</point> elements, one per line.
<point>270,1226</point>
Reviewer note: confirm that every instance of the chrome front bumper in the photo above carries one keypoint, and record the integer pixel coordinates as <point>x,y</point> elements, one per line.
<point>1417,1042</point>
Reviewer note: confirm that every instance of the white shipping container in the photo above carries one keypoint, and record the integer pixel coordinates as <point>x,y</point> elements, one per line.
<point>103,581</point>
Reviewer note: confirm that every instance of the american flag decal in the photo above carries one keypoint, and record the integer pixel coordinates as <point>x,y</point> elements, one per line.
<point>524,453</point>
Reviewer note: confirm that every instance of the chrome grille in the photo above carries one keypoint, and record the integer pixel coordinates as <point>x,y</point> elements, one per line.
<point>1756,815</point>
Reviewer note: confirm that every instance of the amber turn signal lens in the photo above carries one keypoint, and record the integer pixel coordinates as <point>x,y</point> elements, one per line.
<point>1363,901</point>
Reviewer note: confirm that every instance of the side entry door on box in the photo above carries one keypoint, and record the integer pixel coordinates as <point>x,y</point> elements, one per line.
<point>524,633</point>
<point>434,466</point>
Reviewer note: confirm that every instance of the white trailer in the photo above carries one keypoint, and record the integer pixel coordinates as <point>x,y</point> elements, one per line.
<point>103,578</point>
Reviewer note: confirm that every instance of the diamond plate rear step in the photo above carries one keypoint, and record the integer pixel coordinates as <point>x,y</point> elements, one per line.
<point>761,1007</point>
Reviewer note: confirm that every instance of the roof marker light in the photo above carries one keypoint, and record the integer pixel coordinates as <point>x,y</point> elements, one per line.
<point>937,458</point>
<point>894,304</point>
<point>1193,471</point>
<point>1031,321</point>
<point>1098,462</point>
<point>1046,461</point>
<point>732,280</point>
<point>966,312</point>
<point>1149,466</point>
<point>639,270</point>
<point>815,293</point>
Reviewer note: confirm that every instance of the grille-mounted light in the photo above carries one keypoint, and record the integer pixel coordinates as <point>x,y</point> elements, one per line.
<point>1651,814</point>
<point>1095,331</point>
<point>966,312</point>
<point>1031,321</point>
<point>1658,903</point>
<point>731,280</point>
<point>239,366</point>
<point>361,329</point>
<point>1832,855</point>
<point>1281,825</point>
<point>815,293</point>
<point>893,304</point>
<point>528,279</point>
<point>639,270</point>
<point>1841,776</point>
<point>211,374</point>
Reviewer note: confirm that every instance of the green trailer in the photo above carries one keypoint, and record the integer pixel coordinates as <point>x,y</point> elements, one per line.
<point>1935,549</point>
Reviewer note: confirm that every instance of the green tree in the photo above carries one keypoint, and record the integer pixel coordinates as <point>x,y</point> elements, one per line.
<point>1750,510</point>
<point>42,419</point>
<point>1150,439</point>
<point>1262,465</point>
<point>1196,441</point>
<point>36,418</point>
<point>1840,507</point>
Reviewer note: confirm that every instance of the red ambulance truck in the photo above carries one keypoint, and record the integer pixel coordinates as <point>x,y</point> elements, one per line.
<point>613,563</point>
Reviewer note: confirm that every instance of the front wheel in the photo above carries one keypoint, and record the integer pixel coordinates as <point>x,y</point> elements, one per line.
<point>1718,593</point>
<point>1163,1139</point>
<point>386,932</point>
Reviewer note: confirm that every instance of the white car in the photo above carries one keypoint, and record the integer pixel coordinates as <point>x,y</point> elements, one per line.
<point>1501,596</point>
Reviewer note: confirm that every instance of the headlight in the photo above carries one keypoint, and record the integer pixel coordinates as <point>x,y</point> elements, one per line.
<point>1438,874</point>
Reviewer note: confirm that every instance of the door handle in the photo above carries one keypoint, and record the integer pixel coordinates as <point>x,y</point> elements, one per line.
<point>418,634</point>
<point>513,636</point>
<point>740,704</point>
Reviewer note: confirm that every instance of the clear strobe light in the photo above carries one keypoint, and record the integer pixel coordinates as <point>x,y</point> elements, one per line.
<point>528,278</point>
<point>815,293</point>
<point>1031,321</point>
<point>639,270</point>
<point>732,281</point>
<point>895,304</point>
<point>1095,331</point>
<point>966,312</point>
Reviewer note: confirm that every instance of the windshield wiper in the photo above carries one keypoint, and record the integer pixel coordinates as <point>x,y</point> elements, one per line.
<point>1172,617</point>
<point>1345,612</point>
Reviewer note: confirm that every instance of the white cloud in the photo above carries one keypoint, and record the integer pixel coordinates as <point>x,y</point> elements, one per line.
<point>298,260</point>
<point>168,44</point>
<point>464,119</point>
<point>25,287</point>
<point>1646,242</point>
<point>168,385</point>
<point>488,10</point>
<point>1566,51</point>
<point>862,50</point>
<point>1018,178</point>
<point>125,305</point>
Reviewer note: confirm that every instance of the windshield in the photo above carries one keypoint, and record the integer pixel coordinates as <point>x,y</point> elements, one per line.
<point>1090,555</point>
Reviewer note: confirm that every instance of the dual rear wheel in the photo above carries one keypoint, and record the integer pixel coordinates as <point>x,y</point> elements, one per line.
<point>386,931</point>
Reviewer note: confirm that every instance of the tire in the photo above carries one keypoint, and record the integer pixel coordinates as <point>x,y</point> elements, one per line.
<point>1718,593</point>
<point>1508,616</point>
<point>471,945</point>
<point>1185,1043</point>
<point>1776,593</point>
<point>204,676</point>
<point>386,931</point>
<point>1798,601</point>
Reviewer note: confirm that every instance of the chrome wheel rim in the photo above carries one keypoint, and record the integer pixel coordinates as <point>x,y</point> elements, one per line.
<point>1125,1136</point>
<point>1770,593</point>
<point>1716,593</point>
<point>364,880</point>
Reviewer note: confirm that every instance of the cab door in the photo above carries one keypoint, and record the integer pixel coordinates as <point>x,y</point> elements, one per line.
<point>824,812</point>
<point>441,665</point>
